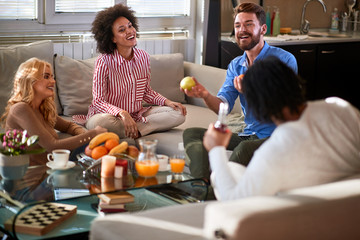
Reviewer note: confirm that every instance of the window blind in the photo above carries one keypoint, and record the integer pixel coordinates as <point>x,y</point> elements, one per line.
<point>156,8</point>
<point>20,9</point>
<point>70,6</point>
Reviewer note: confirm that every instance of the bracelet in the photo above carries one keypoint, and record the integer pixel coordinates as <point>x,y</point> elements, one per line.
<point>120,115</point>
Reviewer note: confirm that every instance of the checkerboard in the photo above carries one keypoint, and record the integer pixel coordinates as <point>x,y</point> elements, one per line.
<point>42,218</point>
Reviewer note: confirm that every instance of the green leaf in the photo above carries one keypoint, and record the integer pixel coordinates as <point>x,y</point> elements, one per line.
<point>35,151</point>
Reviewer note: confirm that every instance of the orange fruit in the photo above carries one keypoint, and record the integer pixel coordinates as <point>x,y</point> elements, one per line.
<point>98,152</point>
<point>111,143</point>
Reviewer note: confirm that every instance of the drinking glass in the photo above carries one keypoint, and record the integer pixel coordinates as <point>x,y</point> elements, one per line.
<point>177,164</point>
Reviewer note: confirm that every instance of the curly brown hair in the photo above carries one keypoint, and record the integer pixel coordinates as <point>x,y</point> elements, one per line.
<point>102,26</point>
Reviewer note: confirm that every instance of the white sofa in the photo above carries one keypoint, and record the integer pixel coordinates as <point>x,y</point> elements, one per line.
<point>74,86</point>
<point>324,212</point>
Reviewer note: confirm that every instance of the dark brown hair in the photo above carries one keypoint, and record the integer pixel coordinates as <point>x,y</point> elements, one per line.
<point>268,86</point>
<point>251,8</point>
<point>102,26</point>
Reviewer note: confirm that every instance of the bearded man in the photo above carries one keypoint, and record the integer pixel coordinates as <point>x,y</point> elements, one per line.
<point>250,28</point>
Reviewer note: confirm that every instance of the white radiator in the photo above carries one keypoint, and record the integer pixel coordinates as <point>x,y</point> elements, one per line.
<point>87,50</point>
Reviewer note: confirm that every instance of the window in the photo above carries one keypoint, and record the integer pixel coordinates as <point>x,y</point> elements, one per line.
<point>146,8</point>
<point>63,6</point>
<point>70,12</point>
<point>25,9</point>
<point>164,18</point>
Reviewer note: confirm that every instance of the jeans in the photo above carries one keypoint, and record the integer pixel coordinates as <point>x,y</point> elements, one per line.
<point>243,148</point>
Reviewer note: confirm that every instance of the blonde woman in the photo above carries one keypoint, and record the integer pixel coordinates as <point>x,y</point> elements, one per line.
<point>32,107</point>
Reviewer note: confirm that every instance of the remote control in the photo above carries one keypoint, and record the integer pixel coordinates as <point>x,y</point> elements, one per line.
<point>220,124</point>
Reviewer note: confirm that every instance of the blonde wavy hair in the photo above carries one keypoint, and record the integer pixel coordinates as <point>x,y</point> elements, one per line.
<point>27,74</point>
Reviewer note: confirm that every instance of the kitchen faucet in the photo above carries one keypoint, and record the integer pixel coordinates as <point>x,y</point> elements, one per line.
<point>305,24</point>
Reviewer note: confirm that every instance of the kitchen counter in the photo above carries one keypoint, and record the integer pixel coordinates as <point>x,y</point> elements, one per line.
<point>295,39</point>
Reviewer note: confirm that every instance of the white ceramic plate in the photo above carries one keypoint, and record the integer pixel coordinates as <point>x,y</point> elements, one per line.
<point>69,165</point>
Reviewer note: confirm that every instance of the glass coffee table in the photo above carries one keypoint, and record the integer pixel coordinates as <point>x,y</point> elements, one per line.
<point>75,186</point>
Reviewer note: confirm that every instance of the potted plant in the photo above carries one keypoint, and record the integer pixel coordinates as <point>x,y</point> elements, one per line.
<point>14,153</point>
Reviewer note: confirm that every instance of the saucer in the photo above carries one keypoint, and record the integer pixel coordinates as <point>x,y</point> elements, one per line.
<point>69,165</point>
<point>168,168</point>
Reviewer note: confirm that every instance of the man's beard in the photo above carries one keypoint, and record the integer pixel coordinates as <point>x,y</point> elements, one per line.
<point>255,39</point>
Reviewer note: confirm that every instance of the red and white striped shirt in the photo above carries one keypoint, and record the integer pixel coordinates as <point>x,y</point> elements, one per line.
<point>121,84</point>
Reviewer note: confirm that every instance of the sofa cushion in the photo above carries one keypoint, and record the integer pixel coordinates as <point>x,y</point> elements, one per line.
<point>10,59</point>
<point>74,80</point>
<point>167,70</point>
<point>74,84</point>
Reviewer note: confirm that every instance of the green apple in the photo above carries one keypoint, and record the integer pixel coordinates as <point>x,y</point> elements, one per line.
<point>187,83</point>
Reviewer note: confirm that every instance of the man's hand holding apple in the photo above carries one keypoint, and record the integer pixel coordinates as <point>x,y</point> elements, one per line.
<point>197,90</point>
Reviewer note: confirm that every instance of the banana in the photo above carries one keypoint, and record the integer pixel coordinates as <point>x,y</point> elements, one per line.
<point>102,137</point>
<point>119,148</point>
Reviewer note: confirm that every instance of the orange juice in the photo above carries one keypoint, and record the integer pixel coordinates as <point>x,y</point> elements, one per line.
<point>177,165</point>
<point>144,182</point>
<point>147,168</point>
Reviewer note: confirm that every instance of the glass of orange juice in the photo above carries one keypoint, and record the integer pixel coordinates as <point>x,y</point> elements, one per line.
<point>147,168</point>
<point>177,164</point>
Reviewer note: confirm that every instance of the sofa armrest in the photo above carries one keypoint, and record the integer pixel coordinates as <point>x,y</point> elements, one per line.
<point>211,78</point>
<point>329,211</point>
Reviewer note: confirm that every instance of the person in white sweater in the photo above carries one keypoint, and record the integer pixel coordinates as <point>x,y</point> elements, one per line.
<point>315,142</point>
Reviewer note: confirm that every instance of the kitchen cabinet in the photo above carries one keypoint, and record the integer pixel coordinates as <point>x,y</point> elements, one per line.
<point>306,59</point>
<point>328,69</point>
<point>337,71</point>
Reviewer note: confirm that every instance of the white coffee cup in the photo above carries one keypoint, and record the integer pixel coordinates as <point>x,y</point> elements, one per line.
<point>163,161</point>
<point>59,157</point>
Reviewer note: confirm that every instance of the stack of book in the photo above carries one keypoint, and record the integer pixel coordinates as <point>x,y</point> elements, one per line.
<point>114,202</point>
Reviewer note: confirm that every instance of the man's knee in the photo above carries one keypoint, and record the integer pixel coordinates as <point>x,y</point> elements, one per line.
<point>244,151</point>
<point>193,134</point>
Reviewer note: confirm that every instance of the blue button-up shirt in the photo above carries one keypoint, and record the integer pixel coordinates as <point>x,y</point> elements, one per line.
<point>229,94</point>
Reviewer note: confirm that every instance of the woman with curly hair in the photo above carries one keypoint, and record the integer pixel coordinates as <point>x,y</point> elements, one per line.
<point>122,81</point>
<point>31,107</point>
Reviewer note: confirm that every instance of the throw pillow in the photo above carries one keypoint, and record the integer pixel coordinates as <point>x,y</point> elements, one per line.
<point>167,70</point>
<point>10,59</point>
<point>74,83</point>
